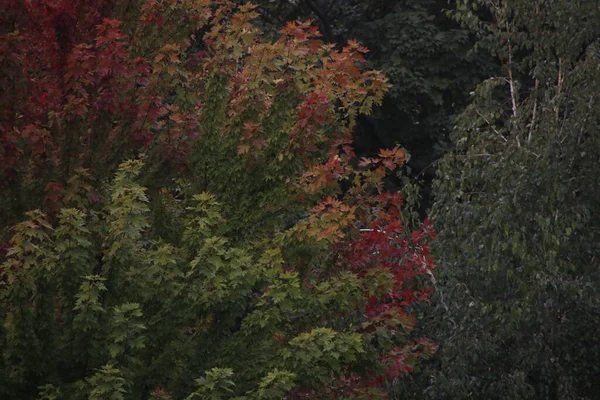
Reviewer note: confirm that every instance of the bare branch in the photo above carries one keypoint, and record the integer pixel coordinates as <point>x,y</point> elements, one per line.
<point>513,94</point>
<point>490,125</point>
<point>533,116</point>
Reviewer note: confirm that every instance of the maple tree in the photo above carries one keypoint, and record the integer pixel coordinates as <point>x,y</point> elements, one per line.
<point>228,252</point>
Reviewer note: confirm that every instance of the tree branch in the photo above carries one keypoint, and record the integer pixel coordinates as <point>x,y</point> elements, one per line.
<point>537,83</point>
<point>513,93</point>
<point>316,7</point>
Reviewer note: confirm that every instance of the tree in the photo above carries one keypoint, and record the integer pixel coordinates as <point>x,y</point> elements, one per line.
<point>226,253</point>
<point>516,212</point>
<point>143,90</point>
<point>94,306</point>
<point>425,55</point>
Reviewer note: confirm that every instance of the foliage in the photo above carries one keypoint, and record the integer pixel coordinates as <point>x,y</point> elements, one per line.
<point>426,57</point>
<point>225,260</point>
<point>165,77</point>
<point>517,214</point>
<point>254,321</point>
<point>424,54</point>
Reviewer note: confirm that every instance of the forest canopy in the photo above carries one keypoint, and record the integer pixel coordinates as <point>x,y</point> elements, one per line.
<point>315,199</point>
